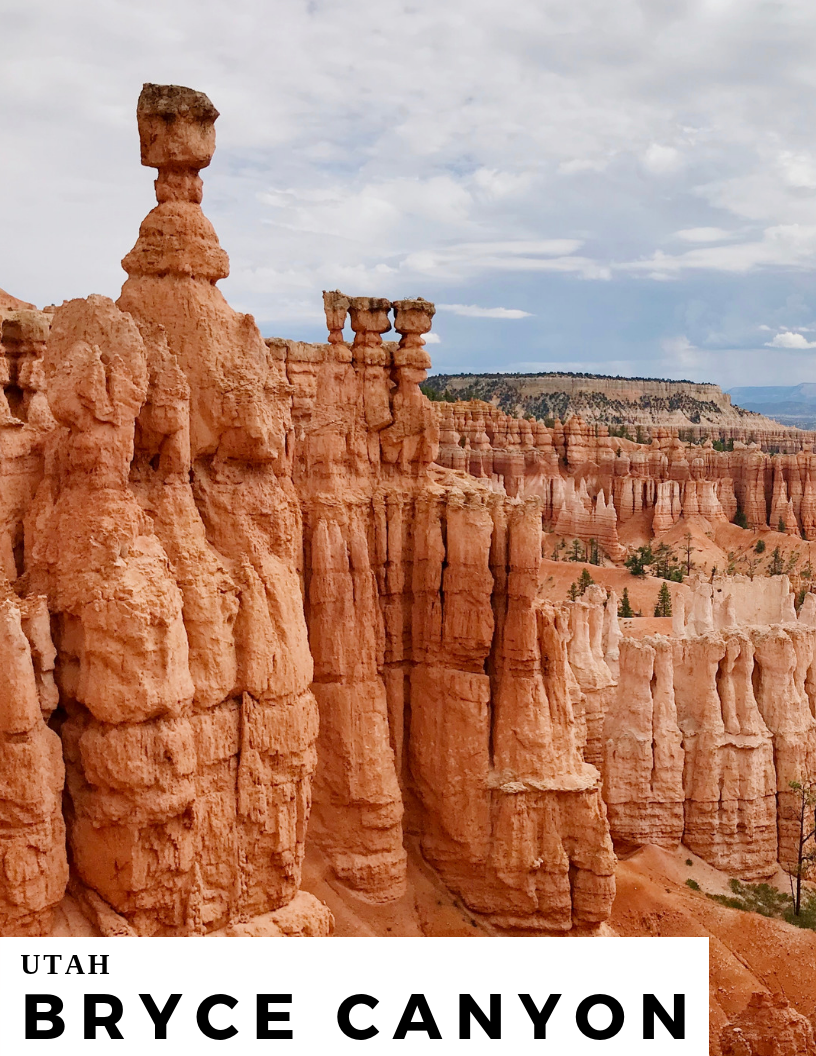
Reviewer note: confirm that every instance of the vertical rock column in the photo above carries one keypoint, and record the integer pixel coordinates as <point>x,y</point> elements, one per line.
<point>783,659</point>
<point>643,760</point>
<point>730,812</point>
<point>514,818</point>
<point>123,656</point>
<point>412,441</point>
<point>372,360</point>
<point>160,479</point>
<point>449,718</point>
<point>551,852</point>
<point>33,863</point>
<point>358,806</point>
<point>586,659</point>
<point>357,816</point>
<point>244,517</point>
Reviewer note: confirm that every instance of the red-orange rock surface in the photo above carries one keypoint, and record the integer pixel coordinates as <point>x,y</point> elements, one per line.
<point>33,863</point>
<point>768,1026</point>
<point>592,483</point>
<point>643,767</point>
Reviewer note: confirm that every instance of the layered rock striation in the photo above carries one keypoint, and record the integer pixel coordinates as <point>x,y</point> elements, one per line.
<point>592,482</point>
<point>711,725</point>
<point>644,402</point>
<point>424,696</point>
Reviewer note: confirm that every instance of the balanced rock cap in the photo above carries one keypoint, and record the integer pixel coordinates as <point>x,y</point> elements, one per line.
<point>175,127</point>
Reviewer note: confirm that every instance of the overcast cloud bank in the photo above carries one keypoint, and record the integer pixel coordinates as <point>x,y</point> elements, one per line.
<point>625,187</point>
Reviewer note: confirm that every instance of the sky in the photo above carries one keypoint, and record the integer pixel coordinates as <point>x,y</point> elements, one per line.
<point>620,188</point>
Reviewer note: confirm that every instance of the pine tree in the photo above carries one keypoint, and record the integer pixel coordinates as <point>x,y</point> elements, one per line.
<point>664,605</point>
<point>625,610</point>
<point>576,551</point>
<point>574,592</point>
<point>585,580</point>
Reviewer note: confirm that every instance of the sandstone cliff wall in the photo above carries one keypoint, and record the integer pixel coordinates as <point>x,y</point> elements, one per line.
<point>591,482</point>
<point>440,666</point>
<point>709,727</point>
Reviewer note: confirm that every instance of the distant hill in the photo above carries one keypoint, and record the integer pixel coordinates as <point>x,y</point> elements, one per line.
<point>603,399</point>
<point>789,404</point>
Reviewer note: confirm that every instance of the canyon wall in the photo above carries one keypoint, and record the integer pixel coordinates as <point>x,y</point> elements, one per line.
<point>443,685</point>
<point>591,482</point>
<point>711,724</point>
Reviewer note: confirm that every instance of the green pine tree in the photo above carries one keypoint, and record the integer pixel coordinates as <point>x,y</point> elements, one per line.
<point>576,551</point>
<point>585,580</point>
<point>574,592</point>
<point>625,610</point>
<point>664,605</point>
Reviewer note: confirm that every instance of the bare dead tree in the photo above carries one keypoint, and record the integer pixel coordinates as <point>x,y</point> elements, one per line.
<point>805,792</point>
<point>688,550</point>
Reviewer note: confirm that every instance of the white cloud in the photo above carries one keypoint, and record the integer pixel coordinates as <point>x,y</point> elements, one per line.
<point>493,184</point>
<point>787,339</point>
<point>548,247</point>
<point>783,246</point>
<point>567,168</point>
<point>704,234</point>
<point>466,259</point>
<point>798,170</point>
<point>661,160</point>
<point>598,131</point>
<point>676,346</point>
<point>681,353</point>
<point>474,311</point>
<point>432,339</point>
